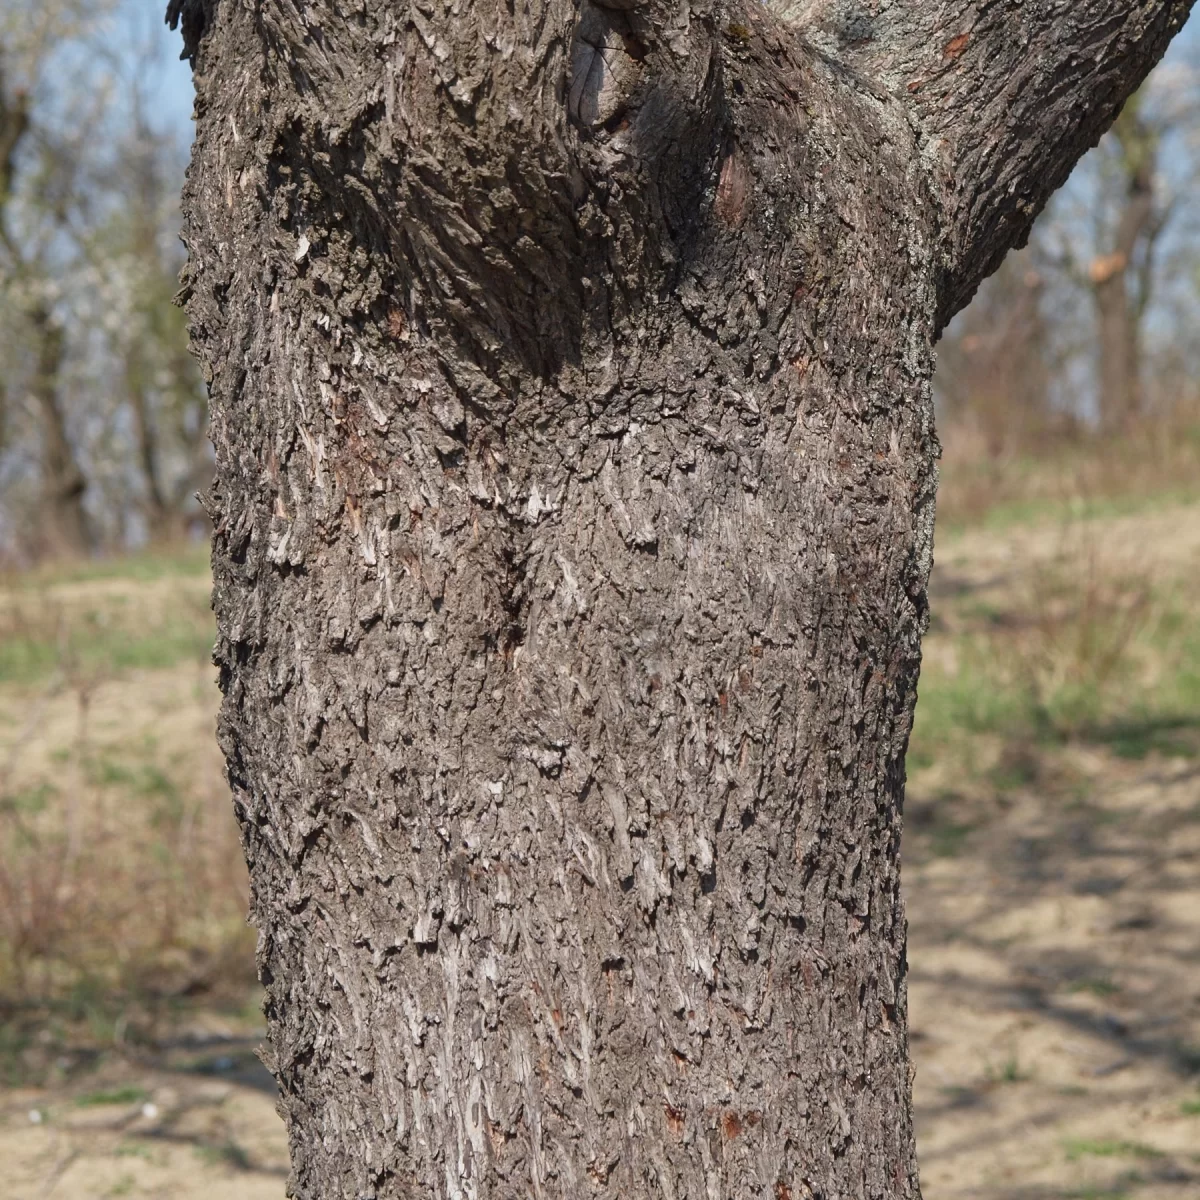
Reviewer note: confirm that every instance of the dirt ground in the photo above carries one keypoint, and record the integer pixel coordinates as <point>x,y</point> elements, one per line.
<point>1055,921</point>
<point>1054,987</point>
<point>1055,991</point>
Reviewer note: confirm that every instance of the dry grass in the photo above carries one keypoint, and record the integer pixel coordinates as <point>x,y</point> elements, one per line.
<point>1083,629</point>
<point>122,890</point>
<point>1067,474</point>
<point>1052,843</point>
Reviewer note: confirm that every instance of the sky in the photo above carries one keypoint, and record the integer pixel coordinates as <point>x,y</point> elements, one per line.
<point>171,88</point>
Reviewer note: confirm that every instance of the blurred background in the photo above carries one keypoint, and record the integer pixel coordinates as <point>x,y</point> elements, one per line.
<point>1052,852</point>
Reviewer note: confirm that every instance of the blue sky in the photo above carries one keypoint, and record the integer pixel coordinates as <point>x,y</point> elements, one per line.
<point>142,21</point>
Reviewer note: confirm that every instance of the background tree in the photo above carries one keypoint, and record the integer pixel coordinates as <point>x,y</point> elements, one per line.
<point>997,366</point>
<point>1121,279</point>
<point>571,389</point>
<point>137,257</point>
<point>105,433</point>
<point>1113,261</point>
<point>62,523</point>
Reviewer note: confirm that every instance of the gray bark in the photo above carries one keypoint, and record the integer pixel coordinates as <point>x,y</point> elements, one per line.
<point>570,373</point>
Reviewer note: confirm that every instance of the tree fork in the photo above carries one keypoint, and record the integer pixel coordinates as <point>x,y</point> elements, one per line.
<point>570,372</point>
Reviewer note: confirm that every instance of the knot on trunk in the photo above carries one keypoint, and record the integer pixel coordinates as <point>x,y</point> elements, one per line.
<point>606,64</point>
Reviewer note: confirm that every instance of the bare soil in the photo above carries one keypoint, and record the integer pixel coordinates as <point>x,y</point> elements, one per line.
<point>1055,988</point>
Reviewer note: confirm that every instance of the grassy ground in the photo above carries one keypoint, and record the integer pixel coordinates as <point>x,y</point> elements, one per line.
<point>128,1004</point>
<point>1052,864</point>
<point>1052,861</point>
<point>1155,466</point>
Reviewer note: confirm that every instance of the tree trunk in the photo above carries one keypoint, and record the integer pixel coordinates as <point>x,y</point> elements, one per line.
<point>145,196</point>
<point>1120,344</point>
<point>62,519</point>
<point>64,522</point>
<point>1119,309</point>
<point>570,373</point>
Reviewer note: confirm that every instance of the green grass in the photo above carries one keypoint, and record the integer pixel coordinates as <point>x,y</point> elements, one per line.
<point>967,702</point>
<point>1037,511</point>
<point>14,1042</point>
<point>1005,689</point>
<point>104,652</point>
<point>946,841</point>
<point>1078,1148</point>
<point>228,1154</point>
<point>123,1095</point>
<point>1019,767</point>
<point>1187,1056</point>
<point>1190,1108</point>
<point>142,778</point>
<point>134,1150</point>
<point>176,562</point>
<point>30,801</point>
<point>1172,736</point>
<point>98,632</point>
<point>1085,478</point>
<point>1095,987</point>
<point>1009,1071</point>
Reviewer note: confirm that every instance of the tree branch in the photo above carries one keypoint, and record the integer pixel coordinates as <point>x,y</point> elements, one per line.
<point>1007,94</point>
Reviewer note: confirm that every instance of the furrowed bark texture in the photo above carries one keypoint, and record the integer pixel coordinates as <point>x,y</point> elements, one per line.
<point>1008,94</point>
<point>570,374</point>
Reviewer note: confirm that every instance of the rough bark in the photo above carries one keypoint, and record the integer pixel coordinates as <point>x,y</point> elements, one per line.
<point>570,373</point>
<point>1007,97</point>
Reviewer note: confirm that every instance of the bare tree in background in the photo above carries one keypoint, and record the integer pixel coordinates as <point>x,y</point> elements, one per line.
<point>161,383</point>
<point>996,363</point>
<point>62,524</point>
<point>1091,327</point>
<point>1122,275</point>
<point>1107,245</point>
<point>105,430</point>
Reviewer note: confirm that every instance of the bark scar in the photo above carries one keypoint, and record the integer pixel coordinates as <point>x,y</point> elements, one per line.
<point>606,66</point>
<point>733,188</point>
<point>955,46</point>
